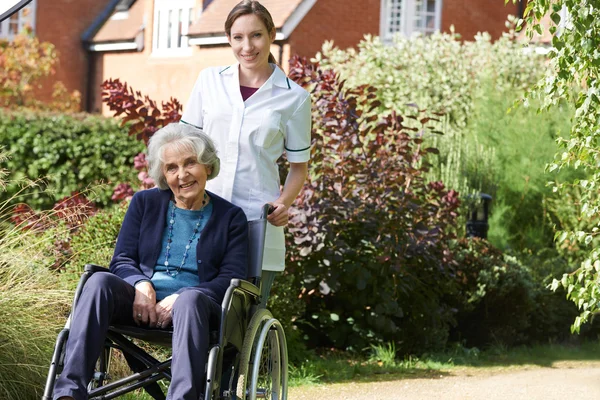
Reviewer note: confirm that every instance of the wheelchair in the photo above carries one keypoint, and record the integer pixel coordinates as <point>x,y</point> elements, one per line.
<point>247,354</point>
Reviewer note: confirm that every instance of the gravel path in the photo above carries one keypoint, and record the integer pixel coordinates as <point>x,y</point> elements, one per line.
<point>561,381</point>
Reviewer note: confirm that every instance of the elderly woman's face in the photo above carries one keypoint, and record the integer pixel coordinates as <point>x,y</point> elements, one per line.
<point>185,176</point>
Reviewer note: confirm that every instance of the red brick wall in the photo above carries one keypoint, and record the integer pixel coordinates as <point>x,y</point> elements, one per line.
<point>62,22</point>
<point>343,22</point>
<point>347,24</point>
<point>472,16</point>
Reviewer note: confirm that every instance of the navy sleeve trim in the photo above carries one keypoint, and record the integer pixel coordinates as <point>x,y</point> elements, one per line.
<point>306,148</point>
<point>287,80</point>
<point>187,123</point>
<point>224,69</point>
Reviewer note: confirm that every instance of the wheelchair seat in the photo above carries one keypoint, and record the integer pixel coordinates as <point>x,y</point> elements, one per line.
<point>162,337</point>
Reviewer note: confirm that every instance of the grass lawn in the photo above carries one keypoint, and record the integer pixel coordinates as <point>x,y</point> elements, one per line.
<point>336,367</point>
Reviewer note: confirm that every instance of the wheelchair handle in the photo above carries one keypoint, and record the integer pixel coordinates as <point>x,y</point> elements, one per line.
<point>267,209</point>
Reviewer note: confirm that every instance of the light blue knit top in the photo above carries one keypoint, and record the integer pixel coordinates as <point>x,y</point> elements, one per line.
<point>183,227</point>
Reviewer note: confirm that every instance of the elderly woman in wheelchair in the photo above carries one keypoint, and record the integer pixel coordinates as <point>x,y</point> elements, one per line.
<point>178,249</point>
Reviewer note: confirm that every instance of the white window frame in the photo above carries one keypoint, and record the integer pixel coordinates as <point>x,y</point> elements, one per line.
<point>176,10</point>
<point>21,21</point>
<point>407,18</point>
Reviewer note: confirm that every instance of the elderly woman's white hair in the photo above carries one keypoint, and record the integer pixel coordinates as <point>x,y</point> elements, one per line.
<point>184,137</point>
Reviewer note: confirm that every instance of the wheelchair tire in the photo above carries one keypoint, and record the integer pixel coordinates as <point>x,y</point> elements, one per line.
<point>263,363</point>
<point>101,374</point>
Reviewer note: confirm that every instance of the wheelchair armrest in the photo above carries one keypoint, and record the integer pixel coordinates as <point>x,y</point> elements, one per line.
<point>88,270</point>
<point>91,268</point>
<point>245,286</point>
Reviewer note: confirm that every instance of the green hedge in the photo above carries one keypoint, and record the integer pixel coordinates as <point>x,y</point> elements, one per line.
<point>70,152</point>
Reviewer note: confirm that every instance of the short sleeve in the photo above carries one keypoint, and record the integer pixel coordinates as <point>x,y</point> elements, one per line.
<point>192,112</point>
<point>297,133</point>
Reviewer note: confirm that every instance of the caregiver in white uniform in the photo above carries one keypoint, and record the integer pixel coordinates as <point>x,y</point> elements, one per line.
<point>254,114</point>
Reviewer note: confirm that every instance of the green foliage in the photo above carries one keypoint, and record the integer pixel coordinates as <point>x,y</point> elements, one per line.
<point>523,141</point>
<point>573,76</point>
<point>94,242</point>
<point>32,303</point>
<point>71,152</point>
<point>440,72</point>
<point>24,63</point>
<point>31,310</point>
<point>286,307</point>
<point>384,354</point>
<point>495,295</point>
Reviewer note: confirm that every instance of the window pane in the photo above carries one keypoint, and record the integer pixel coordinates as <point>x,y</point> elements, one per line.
<point>430,5</point>
<point>179,27</point>
<point>157,26</point>
<point>169,28</point>
<point>395,16</point>
<point>13,24</point>
<point>430,22</point>
<point>418,6</point>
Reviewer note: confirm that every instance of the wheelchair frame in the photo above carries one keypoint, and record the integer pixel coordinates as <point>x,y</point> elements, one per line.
<point>250,336</point>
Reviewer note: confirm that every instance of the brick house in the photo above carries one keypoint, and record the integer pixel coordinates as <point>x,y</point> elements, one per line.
<point>159,46</point>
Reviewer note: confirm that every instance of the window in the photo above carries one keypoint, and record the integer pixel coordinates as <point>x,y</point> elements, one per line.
<point>172,19</point>
<point>11,26</point>
<point>409,17</point>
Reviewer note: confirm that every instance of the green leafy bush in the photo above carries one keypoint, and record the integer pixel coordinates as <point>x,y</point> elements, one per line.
<point>70,152</point>
<point>94,242</point>
<point>439,72</point>
<point>495,295</point>
<point>523,142</point>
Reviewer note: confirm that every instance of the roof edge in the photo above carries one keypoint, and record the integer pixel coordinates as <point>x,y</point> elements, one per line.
<point>286,30</point>
<point>296,17</point>
<point>206,40</point>
<point>90,32</point>
<point>113,46</point>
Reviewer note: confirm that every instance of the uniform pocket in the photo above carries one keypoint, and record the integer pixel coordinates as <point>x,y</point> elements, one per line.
<point>270,129</point>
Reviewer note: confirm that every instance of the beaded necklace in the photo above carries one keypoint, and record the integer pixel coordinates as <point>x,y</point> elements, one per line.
<point>190,241</point>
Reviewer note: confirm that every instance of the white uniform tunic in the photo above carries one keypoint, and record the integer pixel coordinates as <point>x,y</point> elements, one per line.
<point>250,136</point>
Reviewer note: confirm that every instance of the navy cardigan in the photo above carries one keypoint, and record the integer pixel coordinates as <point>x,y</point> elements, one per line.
<point>221,253</point>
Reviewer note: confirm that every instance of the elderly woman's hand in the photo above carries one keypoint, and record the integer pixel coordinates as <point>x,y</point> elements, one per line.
<point>144,303</point>
<point>279,216</point>
<point>163,311</point>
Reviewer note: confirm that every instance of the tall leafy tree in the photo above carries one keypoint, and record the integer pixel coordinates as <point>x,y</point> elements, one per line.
<point>25,63</point>
<point>573,76</point>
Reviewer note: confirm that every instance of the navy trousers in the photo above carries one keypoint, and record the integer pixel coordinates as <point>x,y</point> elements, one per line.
<point>107,299</point>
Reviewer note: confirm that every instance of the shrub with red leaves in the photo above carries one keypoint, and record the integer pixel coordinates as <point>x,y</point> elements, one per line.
<point>143,112</point>
<point>368,235</point>
<point>26,218</point>
<point>145,117</point>
<point>74,209</point>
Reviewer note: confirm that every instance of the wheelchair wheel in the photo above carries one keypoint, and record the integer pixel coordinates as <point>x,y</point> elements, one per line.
<point>101,370</point>
<point>263,364</point>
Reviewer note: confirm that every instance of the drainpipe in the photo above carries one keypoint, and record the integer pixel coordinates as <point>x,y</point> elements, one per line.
<point>280,60</point>
<point>91,79</point>
<point>86,38</point>
<point>521,9</point>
